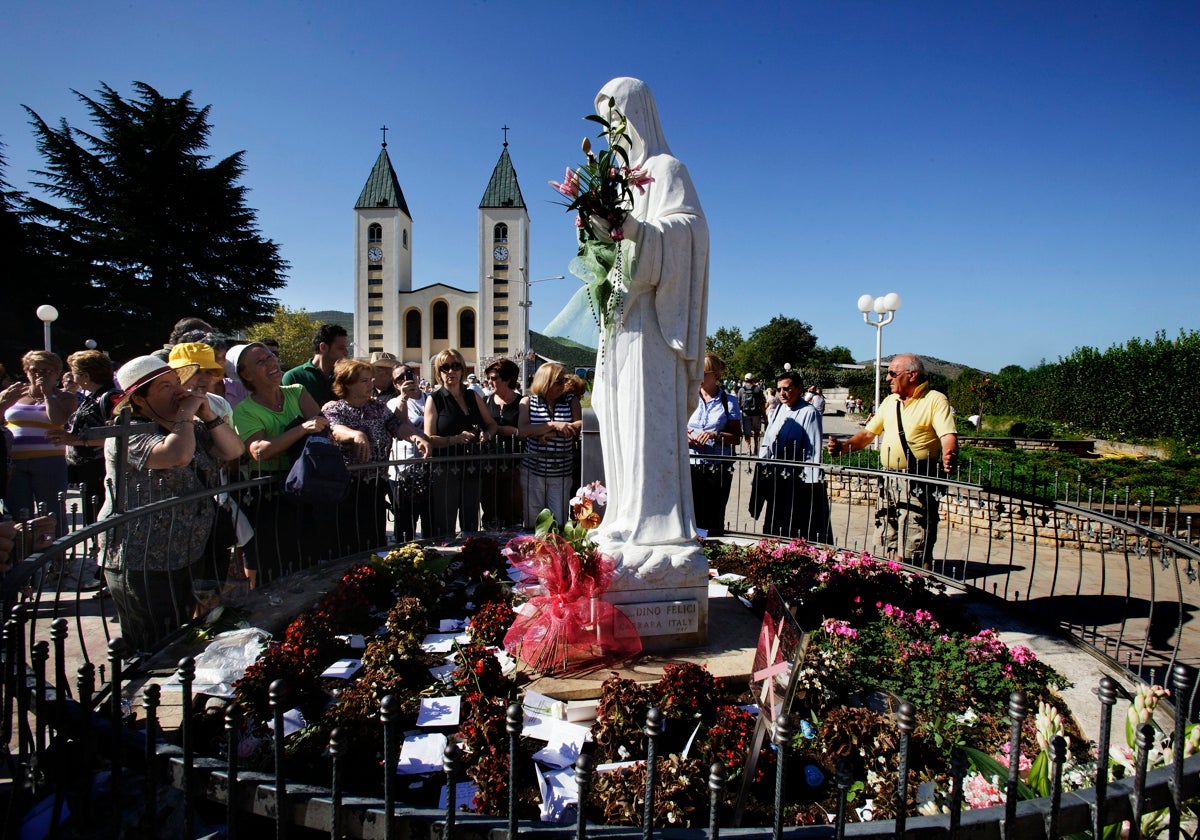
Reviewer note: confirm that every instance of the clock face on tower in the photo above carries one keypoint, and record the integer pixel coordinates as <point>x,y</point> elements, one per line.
<point>500,253</point>
<point>374,254</point>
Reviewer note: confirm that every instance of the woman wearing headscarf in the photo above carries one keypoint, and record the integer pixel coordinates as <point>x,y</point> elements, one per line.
<point>273,419</point>
<point>456,424</point>
<point>149,562</point>
<point>651,356</point>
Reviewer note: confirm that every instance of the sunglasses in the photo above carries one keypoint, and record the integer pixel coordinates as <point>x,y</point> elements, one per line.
<point>407,376</point>
<point>450,367</point>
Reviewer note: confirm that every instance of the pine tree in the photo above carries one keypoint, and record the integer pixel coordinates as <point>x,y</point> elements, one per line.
<point>21,278</point>
<point>147,228</point>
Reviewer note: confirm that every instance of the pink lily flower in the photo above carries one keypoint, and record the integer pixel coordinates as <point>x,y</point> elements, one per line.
<point>570,184</point>
<point>638,178</point>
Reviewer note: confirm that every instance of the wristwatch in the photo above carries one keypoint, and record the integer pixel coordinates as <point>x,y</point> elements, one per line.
<point>213,423</point>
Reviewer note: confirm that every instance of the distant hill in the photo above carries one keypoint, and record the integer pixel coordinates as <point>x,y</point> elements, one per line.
<point>332,316</point>
<point>950,370</point>
<point>568,353</point>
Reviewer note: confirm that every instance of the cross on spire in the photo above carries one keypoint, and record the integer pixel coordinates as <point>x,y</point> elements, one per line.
<point>384,129</point>
<point>504,128</point>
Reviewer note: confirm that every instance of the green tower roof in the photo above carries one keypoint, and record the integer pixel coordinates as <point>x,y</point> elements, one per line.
<point>503,190</point>
<point>382,189</point>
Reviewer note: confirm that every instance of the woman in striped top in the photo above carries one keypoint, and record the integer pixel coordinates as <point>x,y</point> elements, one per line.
<point>550,422</point>
<point>31,411</point>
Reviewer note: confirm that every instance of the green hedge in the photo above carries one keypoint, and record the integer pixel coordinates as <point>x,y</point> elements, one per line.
<point>1143,389</point>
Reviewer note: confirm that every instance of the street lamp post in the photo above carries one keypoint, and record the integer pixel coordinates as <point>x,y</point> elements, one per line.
<point>48,314</point>
<point>524,303</point>
<point>885,310</point>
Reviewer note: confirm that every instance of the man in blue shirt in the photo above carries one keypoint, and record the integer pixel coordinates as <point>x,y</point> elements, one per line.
<point>795,498</point>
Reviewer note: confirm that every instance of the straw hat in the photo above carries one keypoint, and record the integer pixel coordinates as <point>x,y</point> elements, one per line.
<point>383,359</point>
<point>137,372</point>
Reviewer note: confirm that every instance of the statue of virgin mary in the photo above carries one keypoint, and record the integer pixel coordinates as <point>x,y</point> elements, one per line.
<point>651,359</point>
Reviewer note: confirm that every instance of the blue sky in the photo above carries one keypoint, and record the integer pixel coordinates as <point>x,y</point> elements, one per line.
<point>1024,174</point>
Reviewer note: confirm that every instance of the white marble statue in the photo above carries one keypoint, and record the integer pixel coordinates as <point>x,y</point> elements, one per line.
<point>652,361</point>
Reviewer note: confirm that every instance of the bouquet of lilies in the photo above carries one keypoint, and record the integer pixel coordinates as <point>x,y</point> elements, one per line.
<point>603,189</point>
<point>568,628</point>
<point>604,185</point>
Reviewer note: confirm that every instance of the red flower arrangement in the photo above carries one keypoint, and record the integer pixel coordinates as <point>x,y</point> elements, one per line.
<point>569,628</point>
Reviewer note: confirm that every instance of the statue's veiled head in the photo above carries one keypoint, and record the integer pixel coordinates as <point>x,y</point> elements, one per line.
<point>636,102</point>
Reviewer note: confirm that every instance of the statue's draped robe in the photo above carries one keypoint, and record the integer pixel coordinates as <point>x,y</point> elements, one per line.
<point>651,362</point>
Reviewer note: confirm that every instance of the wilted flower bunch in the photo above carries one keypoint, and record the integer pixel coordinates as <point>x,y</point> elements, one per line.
<point>604,185</point>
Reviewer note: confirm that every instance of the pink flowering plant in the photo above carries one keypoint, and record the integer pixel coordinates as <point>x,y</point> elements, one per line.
<point>881,634</point>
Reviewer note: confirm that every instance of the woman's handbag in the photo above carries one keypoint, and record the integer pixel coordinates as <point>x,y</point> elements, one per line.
<point>319,475</point>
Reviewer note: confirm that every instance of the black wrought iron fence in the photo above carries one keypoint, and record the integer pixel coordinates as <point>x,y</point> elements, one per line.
<point>153,786</point>
<point>1124,586</point>
<point>1122,582</point>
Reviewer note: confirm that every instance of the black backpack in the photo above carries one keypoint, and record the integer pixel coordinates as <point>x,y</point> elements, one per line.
<point>319,475</point>
<point>751,400</point>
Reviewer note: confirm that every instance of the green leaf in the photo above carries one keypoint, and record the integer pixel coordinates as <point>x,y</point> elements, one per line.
<point>545,523</point>
<point>598,119</point>
<point>1039,774</point>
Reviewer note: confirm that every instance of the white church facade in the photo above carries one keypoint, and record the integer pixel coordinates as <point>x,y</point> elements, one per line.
<point>417,323</point>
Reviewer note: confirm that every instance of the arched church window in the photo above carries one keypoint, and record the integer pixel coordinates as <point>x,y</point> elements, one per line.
<point>412,328</point>
<point>441,321</point>
<point>500,233</point>
<point>375,234</point>
<point>466,328</point>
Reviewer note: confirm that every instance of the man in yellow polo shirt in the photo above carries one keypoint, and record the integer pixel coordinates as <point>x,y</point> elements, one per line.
<point>919,438</point>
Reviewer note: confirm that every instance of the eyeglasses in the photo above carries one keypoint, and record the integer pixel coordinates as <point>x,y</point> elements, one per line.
<point>892,374</point>
<point>452,366</point>
<point>406,376</point>
<point>562,380</point>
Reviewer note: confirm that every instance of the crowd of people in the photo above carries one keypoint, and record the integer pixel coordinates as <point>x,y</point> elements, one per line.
<point>437,457</point>
<point>209,411</point>
<point>782,426</point>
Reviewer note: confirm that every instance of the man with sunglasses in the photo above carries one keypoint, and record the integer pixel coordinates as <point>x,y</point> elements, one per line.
<point>797,505</point>
<point>919,438</point>
<point>383,369</point>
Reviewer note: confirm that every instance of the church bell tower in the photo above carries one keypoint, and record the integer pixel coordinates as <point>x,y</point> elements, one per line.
<point>382,258</point>
<point>503,264</point>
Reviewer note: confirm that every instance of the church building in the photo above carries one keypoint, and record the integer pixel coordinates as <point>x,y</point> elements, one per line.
<point>415,324</point>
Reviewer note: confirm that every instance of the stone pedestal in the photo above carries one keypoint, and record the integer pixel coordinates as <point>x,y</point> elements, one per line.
<point>664,591</point>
